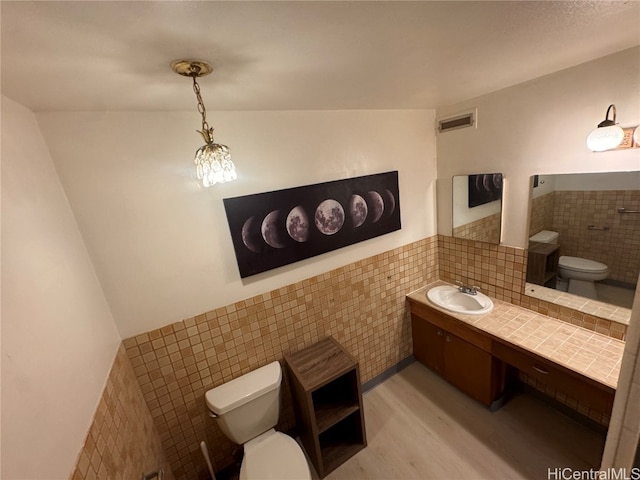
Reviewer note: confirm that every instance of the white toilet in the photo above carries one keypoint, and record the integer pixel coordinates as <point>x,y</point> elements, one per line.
<point>247,409</point>
<point>581,273</point>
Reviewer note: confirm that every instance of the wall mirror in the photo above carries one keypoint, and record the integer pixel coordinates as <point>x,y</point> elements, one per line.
<point>477,207</point>
<point>584,236</point>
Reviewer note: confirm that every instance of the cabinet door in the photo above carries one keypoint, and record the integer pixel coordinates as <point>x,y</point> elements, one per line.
<point>428,343</point>
<point>468,368</point>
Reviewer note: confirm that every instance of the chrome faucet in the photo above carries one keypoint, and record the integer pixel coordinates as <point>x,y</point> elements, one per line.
<point>470,290</point>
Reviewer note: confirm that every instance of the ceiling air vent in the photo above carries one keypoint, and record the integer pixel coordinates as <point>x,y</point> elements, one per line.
<point>459,121</point>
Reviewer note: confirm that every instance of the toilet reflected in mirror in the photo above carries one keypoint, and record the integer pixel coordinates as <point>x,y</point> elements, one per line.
<point>583,236</point>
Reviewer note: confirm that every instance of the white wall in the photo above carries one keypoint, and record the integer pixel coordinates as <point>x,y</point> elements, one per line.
<point>540,127</point>
<point>58,337</point>
<point>161,245</point>
<point>599,181</point>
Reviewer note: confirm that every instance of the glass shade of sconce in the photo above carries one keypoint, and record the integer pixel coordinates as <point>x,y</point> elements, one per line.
<point>607,135</point>
<point>213,160</point>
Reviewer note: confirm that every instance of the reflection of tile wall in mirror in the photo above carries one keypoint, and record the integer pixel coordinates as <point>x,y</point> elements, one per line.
<point>473,220</point>
<point>570,203</point>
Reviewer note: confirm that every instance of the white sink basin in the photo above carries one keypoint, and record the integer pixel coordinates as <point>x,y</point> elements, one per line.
<point>452,299</point>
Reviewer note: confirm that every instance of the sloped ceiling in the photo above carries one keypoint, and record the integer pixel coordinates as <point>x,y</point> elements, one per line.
<point>102,56</point>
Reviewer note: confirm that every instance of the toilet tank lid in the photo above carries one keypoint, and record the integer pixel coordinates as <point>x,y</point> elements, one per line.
<point>544,236</point>
<point>243,389</point>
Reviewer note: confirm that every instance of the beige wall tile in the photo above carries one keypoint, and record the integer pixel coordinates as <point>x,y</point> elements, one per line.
<point>122,441</point>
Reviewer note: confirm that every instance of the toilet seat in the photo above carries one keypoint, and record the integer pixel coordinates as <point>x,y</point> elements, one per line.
<point>583,265</point>
<point>274,455</point>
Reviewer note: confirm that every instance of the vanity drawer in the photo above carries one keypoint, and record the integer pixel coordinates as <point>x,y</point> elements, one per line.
<point>587,391</point>
<point>452,325</point>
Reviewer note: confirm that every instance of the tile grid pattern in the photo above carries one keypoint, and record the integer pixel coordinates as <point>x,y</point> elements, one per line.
<point>500,272</point>
<point>619,315</point>
<point>541,213</point>
<point>486,229</point>
<point>362,305</point>
<point>176,364</point>
<point>594,355</point>
<point>122,441</point>
<point>570,212</point>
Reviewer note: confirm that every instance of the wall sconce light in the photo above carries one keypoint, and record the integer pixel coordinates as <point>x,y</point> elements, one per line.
<point>608,135</point>
<point>213,160</point>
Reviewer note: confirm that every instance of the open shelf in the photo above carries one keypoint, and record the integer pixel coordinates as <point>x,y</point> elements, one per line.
<point>327,393</point>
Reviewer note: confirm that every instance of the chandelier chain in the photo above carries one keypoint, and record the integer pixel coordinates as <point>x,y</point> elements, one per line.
<point>201,109</point>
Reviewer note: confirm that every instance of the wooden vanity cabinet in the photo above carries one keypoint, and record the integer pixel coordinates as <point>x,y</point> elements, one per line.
<point>589,393</point>
<point>327,393</point>
<point>456,353</point>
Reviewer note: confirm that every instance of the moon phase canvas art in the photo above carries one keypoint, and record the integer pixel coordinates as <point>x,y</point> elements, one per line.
<point>277,228</point>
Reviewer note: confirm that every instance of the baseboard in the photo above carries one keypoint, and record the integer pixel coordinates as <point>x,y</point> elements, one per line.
<point>389,372</point>
<point>618,283</point>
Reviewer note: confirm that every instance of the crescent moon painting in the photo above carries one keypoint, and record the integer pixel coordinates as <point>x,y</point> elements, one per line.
<point>270,230</point>
<point>298,224</point>
<point>329,217</point>
<point>390,202</point>
<point>376,204</point>
<point>277,228</point>
<point>358,210</point>
<point>252,236</point>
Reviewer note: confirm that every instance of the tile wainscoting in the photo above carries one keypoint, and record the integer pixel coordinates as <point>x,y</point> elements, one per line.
<point>362,305</point>
<point>122,441</point>
<point>486,229</point>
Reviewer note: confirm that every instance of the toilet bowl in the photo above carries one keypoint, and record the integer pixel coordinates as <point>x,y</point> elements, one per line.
<point>273,455</point>
<point>246,409</point>
<point>581,274</point>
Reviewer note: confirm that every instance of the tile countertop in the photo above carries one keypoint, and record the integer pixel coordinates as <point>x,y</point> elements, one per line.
<point>589,353</point>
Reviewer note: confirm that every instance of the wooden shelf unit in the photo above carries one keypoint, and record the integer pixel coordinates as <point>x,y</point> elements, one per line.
<point>542,263</point>
<point>325,382</point>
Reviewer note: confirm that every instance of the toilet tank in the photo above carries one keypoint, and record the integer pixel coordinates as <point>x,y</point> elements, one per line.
<point>248,405</point>
<point>545,236</point>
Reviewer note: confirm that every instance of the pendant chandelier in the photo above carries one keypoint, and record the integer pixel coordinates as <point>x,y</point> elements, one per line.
<point>213,160</point>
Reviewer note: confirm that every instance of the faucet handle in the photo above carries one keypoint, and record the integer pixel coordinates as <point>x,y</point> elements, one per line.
<point>458,282</point>
<point>475,289</point>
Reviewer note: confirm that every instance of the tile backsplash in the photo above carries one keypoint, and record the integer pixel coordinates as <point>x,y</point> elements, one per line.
<point>500,272</point>
<point>486,229</point>
<point>362,305</point>
<point>122,441</point>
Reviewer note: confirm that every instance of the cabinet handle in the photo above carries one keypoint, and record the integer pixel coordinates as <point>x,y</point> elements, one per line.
<point>439,333</point>
<point>448,339</point>
<point>541,370</point>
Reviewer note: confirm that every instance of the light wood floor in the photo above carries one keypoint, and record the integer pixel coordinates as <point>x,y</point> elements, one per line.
<point>420,427</point>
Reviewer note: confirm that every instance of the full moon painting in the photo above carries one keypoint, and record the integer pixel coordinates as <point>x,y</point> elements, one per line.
<point>329,217</point>
<point>298,224</point>
<point>277,228</point>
